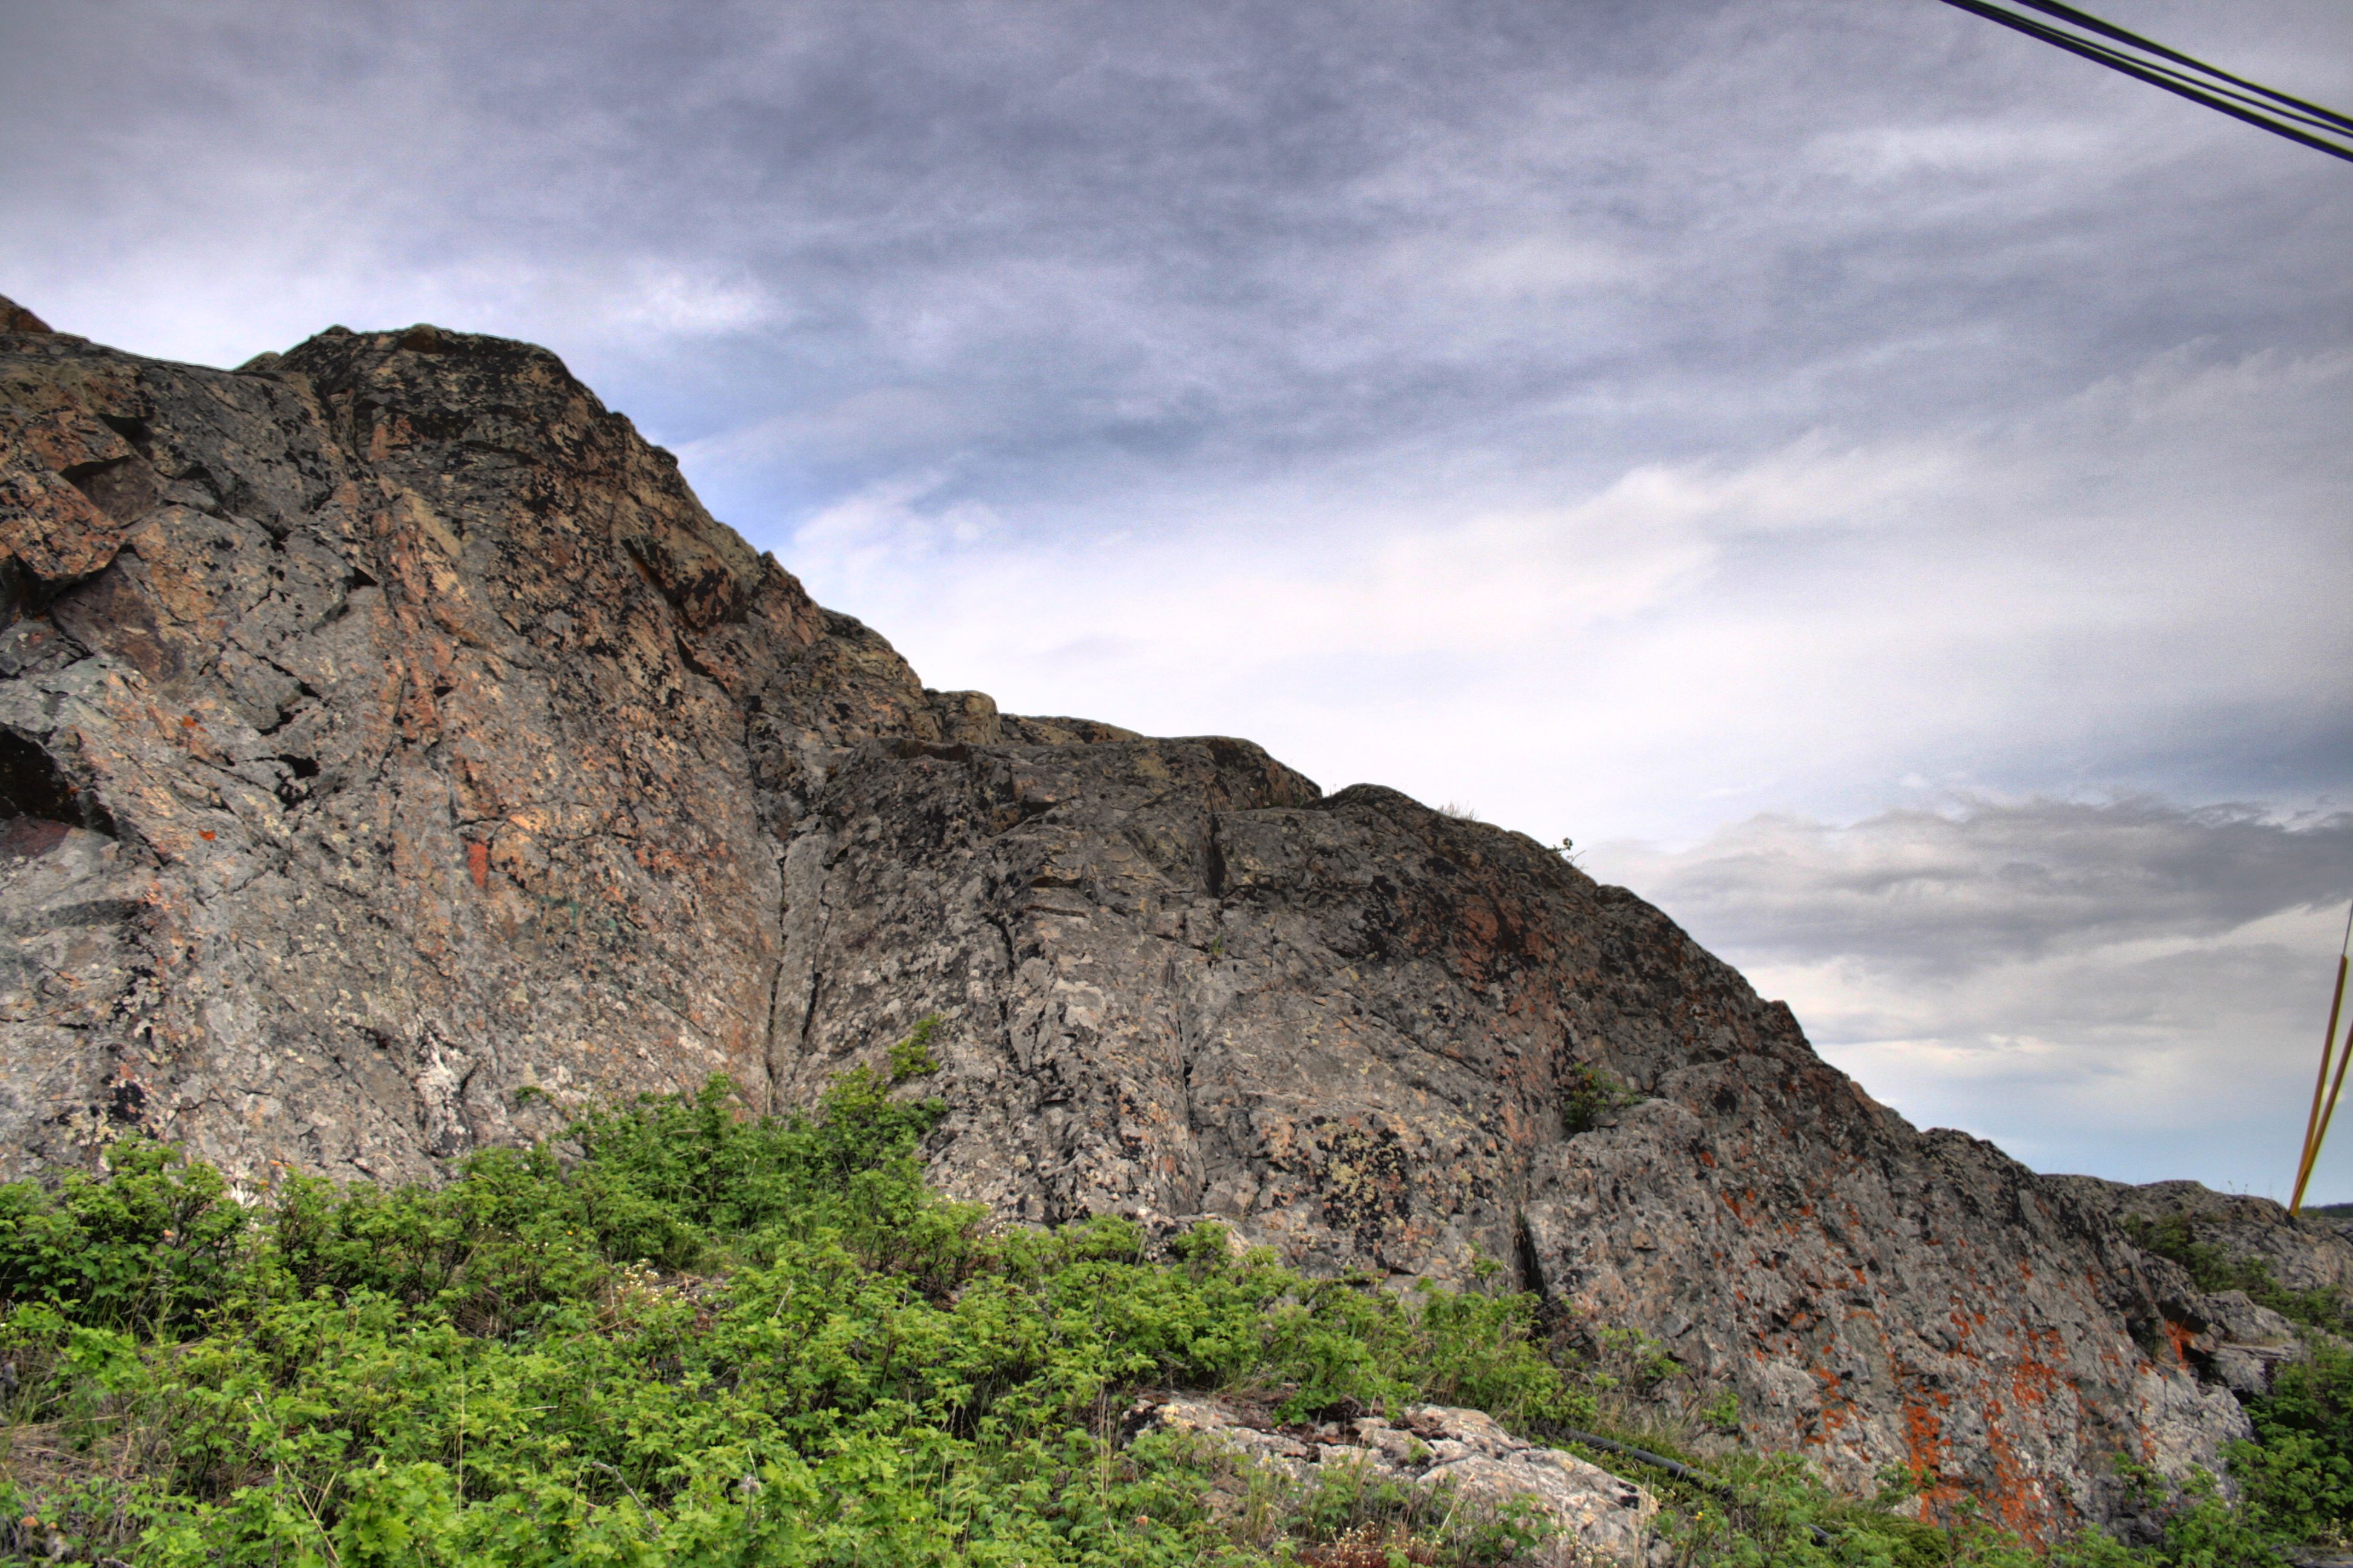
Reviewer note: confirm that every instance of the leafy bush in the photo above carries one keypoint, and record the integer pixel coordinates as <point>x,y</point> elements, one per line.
<point>1590,1096</point>
<point>707,1338</point>
<point>702,1337</point>
<point>149,1249</point>
<point>2297,1474</point>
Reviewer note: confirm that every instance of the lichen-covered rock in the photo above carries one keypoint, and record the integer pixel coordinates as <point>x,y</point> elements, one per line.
<point>1179,984</point>
<point>2243,1343</point>
<point>1463,1457</point>
<point>409,677</point>
<point>14,318</point>
<point>385,730</point>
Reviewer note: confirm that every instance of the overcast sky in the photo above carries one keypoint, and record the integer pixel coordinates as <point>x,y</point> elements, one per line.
<point>1879,483</point>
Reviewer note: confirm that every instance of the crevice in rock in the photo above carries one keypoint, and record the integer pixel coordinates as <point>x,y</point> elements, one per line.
<point>1530,1266</point>
<point>768,1054</point>
<point>123,488</point>
<point>1005,996</point>
<point>131,429</point>
<point>798,973</point>
<point>289,791</point>
<point>33,784</point>
<point>687,657</point>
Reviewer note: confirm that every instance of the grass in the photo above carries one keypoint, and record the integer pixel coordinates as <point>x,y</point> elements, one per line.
<point>683,1335</point>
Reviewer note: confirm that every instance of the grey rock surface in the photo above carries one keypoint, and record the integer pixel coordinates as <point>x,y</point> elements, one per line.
<point>2307,1252</point>
<point>1463,1458</point>
<point>2226,1336</point>
<point>385,728</point>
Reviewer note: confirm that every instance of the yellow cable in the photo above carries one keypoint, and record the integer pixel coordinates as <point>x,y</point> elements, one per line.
<point>2317,1129</point>
<point>2320,1087</point>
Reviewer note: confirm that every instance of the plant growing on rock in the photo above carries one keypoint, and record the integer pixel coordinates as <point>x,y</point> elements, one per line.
<point>1591,1095</point>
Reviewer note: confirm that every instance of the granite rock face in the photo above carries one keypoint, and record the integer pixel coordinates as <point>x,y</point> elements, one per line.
<point>385,728</point>
<point>2305,1252</point>
<point>1368,1034</point>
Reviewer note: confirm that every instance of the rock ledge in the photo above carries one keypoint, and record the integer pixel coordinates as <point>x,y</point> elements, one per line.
<point>1482,1468</point>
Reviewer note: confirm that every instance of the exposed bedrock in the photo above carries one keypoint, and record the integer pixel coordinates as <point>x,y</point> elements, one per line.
<point>385,728</point>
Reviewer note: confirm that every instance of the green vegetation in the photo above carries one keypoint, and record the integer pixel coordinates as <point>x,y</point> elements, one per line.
<point>684,1335</point>
<point>1590,1096</point>
<point>2298,1475</point>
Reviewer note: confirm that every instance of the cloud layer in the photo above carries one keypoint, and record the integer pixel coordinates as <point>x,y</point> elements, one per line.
<point>2124,986</point>
<point>2067,601</point>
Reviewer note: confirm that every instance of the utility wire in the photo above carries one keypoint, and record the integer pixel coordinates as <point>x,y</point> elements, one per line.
<point>2294,118</point>
<point>2146,46</point>
<point>2298,120</point>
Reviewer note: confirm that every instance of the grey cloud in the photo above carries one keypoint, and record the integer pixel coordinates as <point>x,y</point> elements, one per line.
<point>1228,235</point>
<point>2133,987</point>
<point>1953,891</point>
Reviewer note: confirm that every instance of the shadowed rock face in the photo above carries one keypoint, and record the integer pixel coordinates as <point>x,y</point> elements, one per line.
<point>384,728</point>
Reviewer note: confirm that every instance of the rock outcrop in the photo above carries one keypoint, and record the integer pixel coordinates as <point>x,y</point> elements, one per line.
<point>385,728</point>
<point>2224,1334</point>
<point>1459,1458</point>
<point>2307,1252</point>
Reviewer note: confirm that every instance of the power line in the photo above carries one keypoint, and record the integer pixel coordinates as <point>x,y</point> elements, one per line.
<point>2110,46</point>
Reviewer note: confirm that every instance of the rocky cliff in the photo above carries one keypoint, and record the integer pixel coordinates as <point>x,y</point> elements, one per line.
<point>396,753</point>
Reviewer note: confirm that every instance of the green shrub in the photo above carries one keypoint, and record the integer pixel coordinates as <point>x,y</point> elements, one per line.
<point>2298,1473</point>
<point>699,1336</point>
<point>1590,1096</point>
<point>709,1337</point>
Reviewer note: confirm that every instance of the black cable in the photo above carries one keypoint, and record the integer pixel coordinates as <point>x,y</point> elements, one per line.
<point>2326,120</point>
<point>1675,1467</point>
<point>2149,46</point>
<point>2172,81</point>
<point>2235,103</point>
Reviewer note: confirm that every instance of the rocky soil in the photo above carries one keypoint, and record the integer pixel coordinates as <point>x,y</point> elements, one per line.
<point>396,753</point>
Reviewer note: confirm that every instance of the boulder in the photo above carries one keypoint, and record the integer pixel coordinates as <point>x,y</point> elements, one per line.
<point>1470,1469</point>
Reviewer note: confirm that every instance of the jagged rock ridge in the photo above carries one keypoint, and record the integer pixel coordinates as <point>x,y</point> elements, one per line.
<point>385,728</point>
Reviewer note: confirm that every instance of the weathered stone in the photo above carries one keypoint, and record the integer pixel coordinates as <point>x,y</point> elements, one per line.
<point>1463,1455</point>
<point>14,318</point>
<point>2308,1252</point>
<point>407,733</point>
<point>2225,1336</point>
